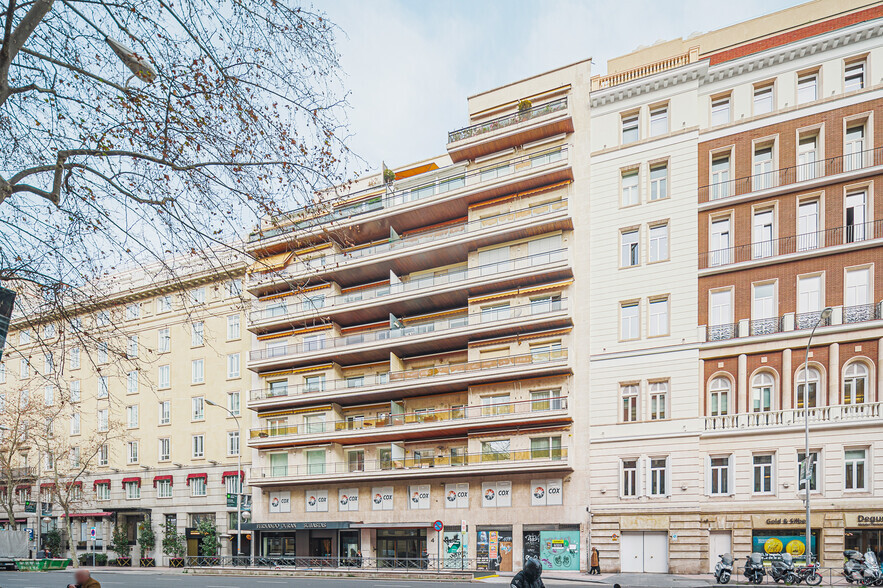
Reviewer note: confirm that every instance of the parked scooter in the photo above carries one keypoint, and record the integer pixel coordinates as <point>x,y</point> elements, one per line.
<point>724,568</point>
<point>872,576</point>
<point>809,573</point>
<point>782,569</point>
<point>853,567</point>
<point>754,571</point>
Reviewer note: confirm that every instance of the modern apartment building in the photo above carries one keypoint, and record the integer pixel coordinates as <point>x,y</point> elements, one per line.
<point>135,370</point>
<point>766,129</point>
<point>414,349</point>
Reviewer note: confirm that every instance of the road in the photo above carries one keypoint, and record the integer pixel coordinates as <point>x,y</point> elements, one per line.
<point>112,579</point>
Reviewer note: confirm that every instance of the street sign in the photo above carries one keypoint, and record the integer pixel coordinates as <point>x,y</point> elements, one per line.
<point>463,526</point>
<point>46,508</point>
<point>231,501</point>
<point>30,506</point>
<point>438,526</point>
<point>30,534</point>
<point>92,532</point>
<point>246,503</point>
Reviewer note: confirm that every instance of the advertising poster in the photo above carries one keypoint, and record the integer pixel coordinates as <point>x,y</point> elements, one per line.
<point>493,544</point>
<point>381,498</point>
<point>280,501</point>
<point>531,544</point>
<point>316,501</point>
<point>773,545</point>
<point>348,499</point>
<point>559,550</point>
<point>454,545</point>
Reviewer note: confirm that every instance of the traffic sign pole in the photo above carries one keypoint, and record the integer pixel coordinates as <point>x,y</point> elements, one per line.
<point>439,527</point>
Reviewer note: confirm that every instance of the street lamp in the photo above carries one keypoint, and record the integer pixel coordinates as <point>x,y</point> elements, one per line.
<point>807,461</point>
<point>238,477</point>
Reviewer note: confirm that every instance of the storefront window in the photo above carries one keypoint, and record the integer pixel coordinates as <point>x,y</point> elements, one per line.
<point>400,548</point>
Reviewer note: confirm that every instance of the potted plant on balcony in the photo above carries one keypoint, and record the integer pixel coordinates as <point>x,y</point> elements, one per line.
<point>388,175</point>
<point>523,107</point>
<point>119,544</point>
<point>210,544</point>
<point>147,540</point>
<point>174,546</point>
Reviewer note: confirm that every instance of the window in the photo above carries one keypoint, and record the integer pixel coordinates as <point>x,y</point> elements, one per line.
<point>630,321</point>
<point>630,247</point>
<point>720,176</point>
<point>545,448</point>
<point>855,217</point>
<point>855,382</point>
<point>75,423</point>
<point>76,324</point>
<point>2,373</point>
<point>719,393</point>
<point>855,463</point>
<point>658,399</point>
<point>233,287</point>
<point>355,461</point>
<point>629,187</point>
<point>102,491</point>
<point>233,402</point>
<point>762,234</point>
<point>198,445</point>
<point>163,488</point>
<point>49,395</point>
<point>808,225</point>
<point>133,490</point>
<point>102,420</point>
<point>314,342</point>
<point>495,450</point>
<point>197,296</point>
<point>165,412</point>
<point>630,132</point>
<point>102,387</point>
<point>355,381</point>
<point>808,164</point>
<point>762,168</point>
<point>233,332</point>
<point>813,471</point>
<point>629,477</point>
<point>658,476</point>
<point>75,358</point>
<point>164,303</point>
<point>658,317</point>
<point>165,340</point>
<point>74,391</point>
<point>197,487</point>
<point>720,111</point>
<point>630,397</point>
<point>764,309</point>
<point>232,484</point>
<point>854,76</point>
<point>719,473</point>
<point>494,312</point>
<point>809,380</point>
<point>132,382</point>
<point>762,387</point>
<point>545,400</point>
<point>165,379</point>
<point>133,311</point>
<point>763,474</point>
<point>165,449</point>
<point>658,121</point>
<point>102,352</point>
<point>853,148</point>
<point>103,455</point>
<point>233,365</point>
<point>763,99</point>
<point>809,300</point>
<point>807,88</point>
<point>132,452</point>
<point>197,334</point>
<point>48,363</point>
<point>198,404</point>
<point>24,368</point>
<point>495,404</point>
<point>315,461</point>
<point>858,304</point>
<point>24,337</point>
<point>132,416</point>
<point>132,347</point>
<point>658,181</point>
<point>198,371</point>
<point>658,243</point>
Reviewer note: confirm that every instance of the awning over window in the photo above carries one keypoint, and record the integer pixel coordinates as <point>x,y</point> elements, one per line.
<point>272,263</point>
<point>162,479</point>
<point>97,483</point>
<point>23,487</point>
<point>233,474</point>
<point>47,485</point>
<point>93,515</point>
<point>134,479</point>
<point>196,476</point>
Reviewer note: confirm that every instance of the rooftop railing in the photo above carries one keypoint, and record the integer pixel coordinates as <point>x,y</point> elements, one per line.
<point>792,175</point>
<point>313,304</point>
<point>649,69</point>
<point>508,120</point>
<point>429,417</point>
<point>441,325</point>
<point>422,374</point>
<point>444,180</point>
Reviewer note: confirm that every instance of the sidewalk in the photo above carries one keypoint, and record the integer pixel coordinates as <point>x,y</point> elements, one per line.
<point>627,580</point>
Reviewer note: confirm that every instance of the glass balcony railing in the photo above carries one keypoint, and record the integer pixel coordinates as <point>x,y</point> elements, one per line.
<point>453,276</point>
<point>443,181</point>
<point>423,375</point>
<point>452,415</point>
<point>440,325</point>
<point>508,120</point>
<point>338,260</point>
<point>476,461</point>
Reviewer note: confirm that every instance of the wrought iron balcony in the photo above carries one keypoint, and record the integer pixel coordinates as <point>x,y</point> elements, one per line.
<point>508,120</point>
<point>791,322</point>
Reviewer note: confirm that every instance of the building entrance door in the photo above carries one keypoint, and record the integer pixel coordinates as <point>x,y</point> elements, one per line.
<point>631,553</point>
<point>642,552</point>
<point>719,542</point>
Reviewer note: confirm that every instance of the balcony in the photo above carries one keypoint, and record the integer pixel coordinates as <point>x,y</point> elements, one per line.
<point>465,464</point>
<point>421,203</point>
<point>504,132</point>
<point>799,176</point>
<point>852,236</point>
<point>401,384</point>
<point>838,413</point>
<point>414,338</point>
<point>451,288</point>
<point>791,322</point>
<point>415,425</point>
<point>447,245</point>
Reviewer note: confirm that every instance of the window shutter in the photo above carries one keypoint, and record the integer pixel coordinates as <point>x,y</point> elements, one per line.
<point>645,475</point>
<point>621,482</point>
<point>668,480</point>
<point>731,474</point>
<point>708,474</point>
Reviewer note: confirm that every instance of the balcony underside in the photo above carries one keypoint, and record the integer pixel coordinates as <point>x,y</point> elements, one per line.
<point>494,142</point>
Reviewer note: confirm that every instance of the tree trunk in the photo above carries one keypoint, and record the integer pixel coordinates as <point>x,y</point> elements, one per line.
<point>71,544</point>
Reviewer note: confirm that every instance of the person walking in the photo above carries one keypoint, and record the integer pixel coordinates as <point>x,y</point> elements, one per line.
<point>596,562</point>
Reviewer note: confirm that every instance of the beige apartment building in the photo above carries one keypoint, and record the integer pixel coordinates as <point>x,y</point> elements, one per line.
<point>134,372</point>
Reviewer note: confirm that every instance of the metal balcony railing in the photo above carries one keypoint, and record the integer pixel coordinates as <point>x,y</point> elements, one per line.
<point>508,120</point>
<point>430,417</point>
<point>792,175</point>
<point>766,326</point>
<point>802,321</point>
<point>861,313</point>
<point>474,461</point>
<point>444,180</point>
<point>807,320</point>
<point>423,374</point>
<point>721,332</point>
<point>440,325</point>
<point>795,416</point>
<point>854,233</point>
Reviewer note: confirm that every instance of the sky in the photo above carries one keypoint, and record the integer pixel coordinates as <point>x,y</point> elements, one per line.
<point>409,65</point>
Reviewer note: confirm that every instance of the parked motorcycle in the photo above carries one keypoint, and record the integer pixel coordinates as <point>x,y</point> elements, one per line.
<point>853,567</point>
<point>871,574</point>
<point>724,568</point>
<point>782,569</point>
<point>754,570</point>
<point>809,573</point>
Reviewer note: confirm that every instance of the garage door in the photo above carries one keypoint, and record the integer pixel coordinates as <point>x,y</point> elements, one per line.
<point>643,552</point>
<point>719,542</point>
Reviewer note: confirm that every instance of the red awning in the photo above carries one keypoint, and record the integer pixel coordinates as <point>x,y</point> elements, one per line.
<point>77,483</point>
<point>102,481</point>
<point>162,479</point>
<point>134,479</point>
<point>47,485</point>
<point>233,474</point>
<point>195,477</point>
<point>93,515</point>
<point>6,520</point>
<point>23,487</point>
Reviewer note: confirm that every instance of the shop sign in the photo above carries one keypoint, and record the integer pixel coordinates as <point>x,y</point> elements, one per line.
<point>546,492</point>
<point>381,498</point>
<point>280,501</point>
<point>348,499</point>
<point>297,526</point>
<point>863,520</point>
<point>496,494</point>
<point>772,546</point>
<point>773,521</point>
<point>316,501</point>
<point>419,497</point>
<point>457,495</point>
<point>559,550</point>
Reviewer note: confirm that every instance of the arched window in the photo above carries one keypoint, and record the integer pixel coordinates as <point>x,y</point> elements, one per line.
<point>855,382</point>
<point>720,396</point>
<point>762,389</point>
<point>812,383</point>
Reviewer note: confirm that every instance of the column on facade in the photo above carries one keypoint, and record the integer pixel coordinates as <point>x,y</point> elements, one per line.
<point>703,397</point>
<point>879,363</point>
<point>787,372</point>
<point>833,375</point>
<point>742,384</point>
